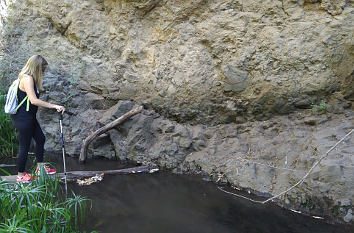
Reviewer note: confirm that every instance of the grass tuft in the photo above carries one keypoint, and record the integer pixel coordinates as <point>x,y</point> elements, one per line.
<point>40,206</point>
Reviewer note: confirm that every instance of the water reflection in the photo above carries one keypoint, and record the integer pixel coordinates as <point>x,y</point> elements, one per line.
<point>163,203</point>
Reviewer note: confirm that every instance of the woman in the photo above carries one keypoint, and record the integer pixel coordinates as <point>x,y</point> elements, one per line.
<point>24,121</point>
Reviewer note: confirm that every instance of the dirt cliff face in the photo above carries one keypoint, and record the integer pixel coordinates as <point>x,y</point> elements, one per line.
<point>222,81</point>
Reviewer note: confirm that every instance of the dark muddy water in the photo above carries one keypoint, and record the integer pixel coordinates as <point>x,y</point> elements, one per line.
<point>168,203</point>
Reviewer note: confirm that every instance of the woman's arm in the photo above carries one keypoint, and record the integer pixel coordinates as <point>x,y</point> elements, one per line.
<point>28,84</point>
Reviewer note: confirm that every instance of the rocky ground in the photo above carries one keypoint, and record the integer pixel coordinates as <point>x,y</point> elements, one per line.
<point>251,92</point>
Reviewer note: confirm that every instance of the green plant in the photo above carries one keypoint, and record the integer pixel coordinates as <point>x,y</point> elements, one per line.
<point>322,107</point>
<point>8,135</point>
<point>5,172</point>
<point>68,98</point>
<point>76,75</point>
<point>39,207</point>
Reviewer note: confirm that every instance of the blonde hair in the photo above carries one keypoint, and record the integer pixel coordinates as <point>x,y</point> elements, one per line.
<point>34,67</point>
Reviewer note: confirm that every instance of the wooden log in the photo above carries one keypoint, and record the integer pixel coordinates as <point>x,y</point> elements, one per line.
<point>89,139</point>
<point>73,175</point>
<point>7,165</point>
<point>133,170</point>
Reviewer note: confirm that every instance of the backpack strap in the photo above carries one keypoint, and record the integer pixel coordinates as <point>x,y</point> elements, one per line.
<point>15,85</point>
<point>28,103</point>
<point>24,99</point>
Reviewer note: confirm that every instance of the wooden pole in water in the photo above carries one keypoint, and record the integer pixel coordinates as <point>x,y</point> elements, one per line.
<point>89,139</point>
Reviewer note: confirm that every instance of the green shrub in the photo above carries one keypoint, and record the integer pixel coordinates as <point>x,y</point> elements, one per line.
<point>8,135</point>
<point>322,107</point>
<point>40,206</point>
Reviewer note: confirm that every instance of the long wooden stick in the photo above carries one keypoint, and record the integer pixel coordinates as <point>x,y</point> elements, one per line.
<point>89,139</point>
<point>7,165</point>
<point>297,183</point>
<point>73,175</point>
<point>133,170</point>
<point>309,171</point>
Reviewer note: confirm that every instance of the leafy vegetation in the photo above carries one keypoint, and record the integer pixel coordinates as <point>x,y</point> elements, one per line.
<point>322,107</point>
<point>40,206</point>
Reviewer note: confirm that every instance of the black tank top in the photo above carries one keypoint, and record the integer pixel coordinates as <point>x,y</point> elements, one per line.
<point>21,111</point>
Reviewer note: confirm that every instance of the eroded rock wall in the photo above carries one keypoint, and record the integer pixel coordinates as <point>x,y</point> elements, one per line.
<point>223,82</point>
<point>211,61</point>
<point>200,61</point>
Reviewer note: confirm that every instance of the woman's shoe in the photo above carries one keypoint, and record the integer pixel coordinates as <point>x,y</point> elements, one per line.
<point>25,178</point>
<point>48,170</point>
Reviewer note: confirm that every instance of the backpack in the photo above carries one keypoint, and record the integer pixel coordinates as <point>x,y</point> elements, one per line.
<point>11,105</point>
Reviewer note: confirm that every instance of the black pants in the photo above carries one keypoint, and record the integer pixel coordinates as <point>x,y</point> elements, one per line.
<point>28,129</point>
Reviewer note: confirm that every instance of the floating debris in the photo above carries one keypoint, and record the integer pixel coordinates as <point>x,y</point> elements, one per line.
<point>153,170</point>
<point>206,179</point>
<point>220,176</point>
<point>295,211</point>
<point>234,187</point>
<point>91,180</point>
<point>317,217</point>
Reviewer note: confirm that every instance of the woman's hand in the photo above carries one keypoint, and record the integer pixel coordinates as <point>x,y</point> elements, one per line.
<point>59,108</point>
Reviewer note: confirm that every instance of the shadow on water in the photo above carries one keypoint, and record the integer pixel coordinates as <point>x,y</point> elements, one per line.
<point>168,203</point>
